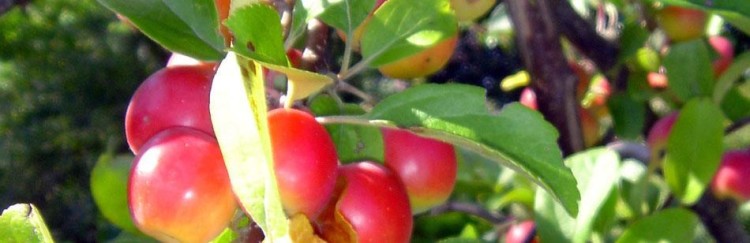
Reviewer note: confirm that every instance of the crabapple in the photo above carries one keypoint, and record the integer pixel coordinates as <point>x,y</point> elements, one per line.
<point>731,179</point>
<point>682,24</point>
<point>171,97</point>
<point>725,50</point>
<point>423,63</point>
<point>427,167</point>
<point>374,202</point>
<point>305,161</point>
<point>524,232</point>
<point>179,189</point>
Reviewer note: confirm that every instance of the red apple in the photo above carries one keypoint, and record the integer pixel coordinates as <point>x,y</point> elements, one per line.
<point>682,24</point>
<point>427,167</point>
<point>732,180</point>
<point>305,161</point>
<point>658,135</point>
<point>171,97</point>
<point>528,98</point>
<point>179,188</point>
<point>524,232</point>
<point>657,80</point>
<point>374,203</point>
<point>725,50</point>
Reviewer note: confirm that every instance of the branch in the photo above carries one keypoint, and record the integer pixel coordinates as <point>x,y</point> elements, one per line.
<point>469,208</point>
<point>553,81</point>
<point>584,36</point>
<point>719,218</point>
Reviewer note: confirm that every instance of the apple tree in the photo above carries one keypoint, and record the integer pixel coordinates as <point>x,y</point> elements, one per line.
<point>439,120</point>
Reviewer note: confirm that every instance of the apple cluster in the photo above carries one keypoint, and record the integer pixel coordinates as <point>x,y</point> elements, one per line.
<point>179,188</point>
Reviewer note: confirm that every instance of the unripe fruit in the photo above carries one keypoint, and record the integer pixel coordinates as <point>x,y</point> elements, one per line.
<point>423,63</point>
<point>305,161</point>
<point>427,167</point>
<point>171,97</point>
<point>725,50</point>
<point>682,24</point>
<point>524,232</point>
<point>589,128</point>
<point>375,204</point>
<point>732,180</point>
<point>179,189</point>
<point>470,10</point>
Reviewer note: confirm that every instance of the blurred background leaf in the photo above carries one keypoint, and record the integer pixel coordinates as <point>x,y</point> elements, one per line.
<point>67,70</point>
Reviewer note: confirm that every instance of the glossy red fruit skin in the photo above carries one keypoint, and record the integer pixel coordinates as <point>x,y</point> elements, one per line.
<point>427,167</point>
<point>523,232</point>
<point>305,161</point>
<point>725,50</point>
<point>732,180</point>
<point>171,97</point>
<point>528,98</point>
<point>375,203</point>
<point>658,135</point>
<point>179,188</point>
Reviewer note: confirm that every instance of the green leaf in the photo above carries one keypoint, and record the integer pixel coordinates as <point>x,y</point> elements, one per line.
<point>628,115</point>
<point>689,69</point>
<point>694,149</point>
<point>596,172</point>
<point>517,137</point>
<point>353,142</point>
<point>345,15</point>
<point>258,34</point>
<point>109,188</point>
<point>202,17</point>
<point>23,223</point>
<point>728,79</point>
<point>192,37</point>
<point>239,115</point>
<point>669,225</point>
<point>401,28</point>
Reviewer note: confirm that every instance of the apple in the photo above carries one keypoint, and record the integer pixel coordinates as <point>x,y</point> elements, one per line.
<point>373,201</point>
<point>179,189</point>
<point>682,24</point>
<point>422,63</point>
<point>177,59</point>
<point>658,135</point>
<point>524,232</point>
<point>470,10</point>
<point>732,178</point>
<point>357,32</point>
<point>657,80</point>
<point>528,98</point>
<point>171,97</point>
<point>305,161</point>
<point>427,167</point>
<point>725,49</point>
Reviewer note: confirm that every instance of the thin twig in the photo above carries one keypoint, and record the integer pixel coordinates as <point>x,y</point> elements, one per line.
<point>472,209</point>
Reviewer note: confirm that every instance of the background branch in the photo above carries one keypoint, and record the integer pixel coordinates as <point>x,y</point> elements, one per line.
<point>538,42</point>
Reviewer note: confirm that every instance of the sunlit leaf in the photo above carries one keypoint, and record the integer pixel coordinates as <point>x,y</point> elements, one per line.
<point>694,149</point>
<point>23,223</point>
<point>401,28</point>
<point>238,112</point>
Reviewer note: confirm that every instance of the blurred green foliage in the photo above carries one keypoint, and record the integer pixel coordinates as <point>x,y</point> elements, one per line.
<point>67,70</point>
